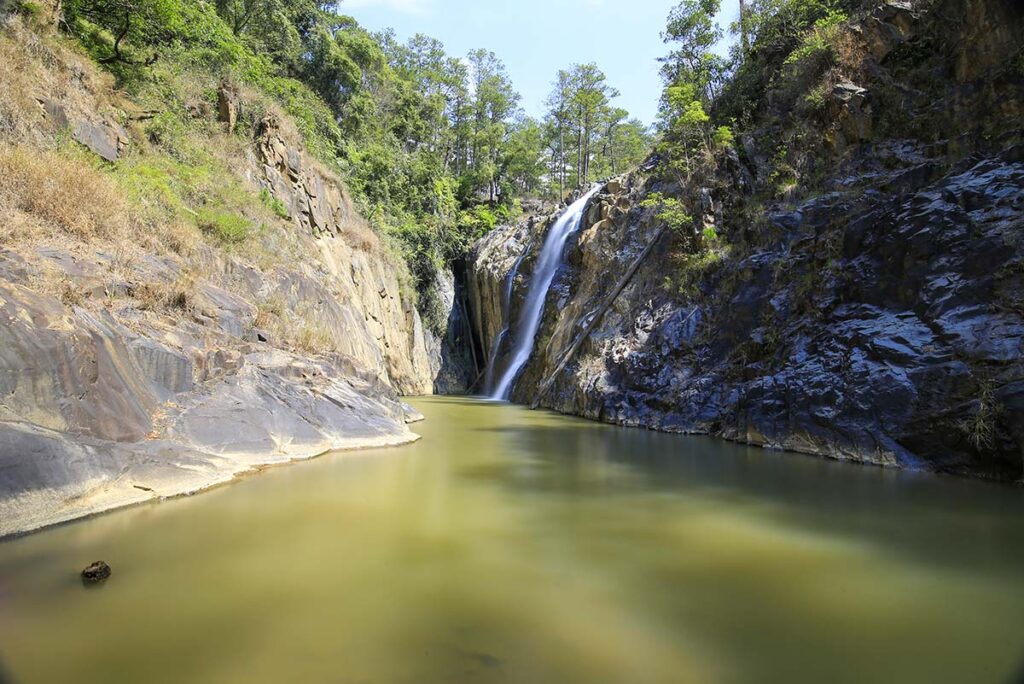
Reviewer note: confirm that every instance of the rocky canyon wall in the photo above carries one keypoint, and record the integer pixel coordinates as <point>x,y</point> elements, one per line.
<point>877,319</point>
<point>132,371</point>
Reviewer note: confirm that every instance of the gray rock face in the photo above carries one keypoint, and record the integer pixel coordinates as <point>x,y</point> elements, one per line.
<point>70,373</point>
<point>128,375</point>
<point>374,320</point>
<point>879,322</point>
<point>94,415</point>
<point>454,361</point>
<point>885,329</point>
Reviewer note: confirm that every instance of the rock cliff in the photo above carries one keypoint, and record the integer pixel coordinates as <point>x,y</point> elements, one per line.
<point>874,316</point>
<point>136,366</point>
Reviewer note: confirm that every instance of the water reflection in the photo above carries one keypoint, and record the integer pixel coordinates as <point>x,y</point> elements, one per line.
<point>936,518</point>
<point>511,545</point>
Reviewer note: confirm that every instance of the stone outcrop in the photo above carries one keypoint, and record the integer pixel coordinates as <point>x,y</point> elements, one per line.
<point>884,329</point>
<point>369,296</point>
<point>106,139</point>
<point>128,375</point>
<point>94,414</point>
<point>878,320</point>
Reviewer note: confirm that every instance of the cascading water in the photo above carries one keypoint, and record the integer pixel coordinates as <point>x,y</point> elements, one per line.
<point>533,308</point>
<point>499,341</point>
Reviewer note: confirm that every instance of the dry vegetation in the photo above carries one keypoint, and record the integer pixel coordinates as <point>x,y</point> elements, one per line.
<point>61,192</point>
<point>37,65</point>
<point>181,193</point>
<point>176,295</point>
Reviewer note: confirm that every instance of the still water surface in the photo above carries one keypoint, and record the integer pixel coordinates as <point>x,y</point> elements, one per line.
<point>518,546</point>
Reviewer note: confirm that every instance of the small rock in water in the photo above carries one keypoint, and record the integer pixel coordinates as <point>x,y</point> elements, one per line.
<point>96,573</point>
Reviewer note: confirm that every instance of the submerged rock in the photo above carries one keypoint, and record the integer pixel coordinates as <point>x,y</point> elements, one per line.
<point>97,572</point>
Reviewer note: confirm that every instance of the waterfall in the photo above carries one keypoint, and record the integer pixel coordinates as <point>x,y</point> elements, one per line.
<point>506,303</point>
<point>525,331</point>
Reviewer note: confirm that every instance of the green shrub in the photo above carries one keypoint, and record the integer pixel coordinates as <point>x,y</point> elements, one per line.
<point>227,227</point>
<point>28,8</point>
<point>478,221</point>
<point>817,98</point>
<point>817,43</point>
<point>724,137</point>
<point>274,204</point>
<point>669,210</point>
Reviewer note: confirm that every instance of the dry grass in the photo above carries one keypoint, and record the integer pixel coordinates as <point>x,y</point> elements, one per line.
<point>62,191</point>
<point>37,63</point>
<point>314,338</point>
<point>52,192</point>
<point>270,313</point>
<point>177,295</point>
<point>53,282</point>
<point>981,428</point>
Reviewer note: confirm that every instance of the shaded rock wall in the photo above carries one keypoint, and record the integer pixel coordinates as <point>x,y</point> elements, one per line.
<point>879,320</point>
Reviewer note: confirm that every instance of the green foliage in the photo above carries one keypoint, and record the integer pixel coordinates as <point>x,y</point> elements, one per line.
<point>981,427</point>
<point>724,137</point>
<point>671,211</point>
<point>167,129</point>
<point>433,146</point>
<point>816,44</point>
<point>817,98</point>
<point>274,204</point>
<point>777,31</point>
<point>693,32</point>
<point>689,269</point>
<point>783,175</point>
<point>477,222</point>
<point>227,227</point>
<point>584,136</point>
<point>195,190</point>
<point>684,111</point>
<point>26,8</point>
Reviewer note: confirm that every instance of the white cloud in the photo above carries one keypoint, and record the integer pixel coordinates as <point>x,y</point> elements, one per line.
<point>408,6</point>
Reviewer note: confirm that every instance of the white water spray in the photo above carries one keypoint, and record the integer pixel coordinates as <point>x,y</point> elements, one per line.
<point>533,308</point>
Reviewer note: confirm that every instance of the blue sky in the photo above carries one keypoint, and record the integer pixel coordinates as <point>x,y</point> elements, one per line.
<point>536,38</point>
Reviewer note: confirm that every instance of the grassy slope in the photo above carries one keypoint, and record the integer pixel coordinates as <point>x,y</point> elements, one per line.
<point>181,192</point>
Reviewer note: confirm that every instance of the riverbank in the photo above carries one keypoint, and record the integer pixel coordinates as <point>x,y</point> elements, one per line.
<point>145,472</point>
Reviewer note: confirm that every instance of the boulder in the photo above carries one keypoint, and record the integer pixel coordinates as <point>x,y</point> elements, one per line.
<point>96,572</point>
<point>101,139</point>
<point>227,107</point>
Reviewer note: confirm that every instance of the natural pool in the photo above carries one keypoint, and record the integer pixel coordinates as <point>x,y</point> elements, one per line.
<point>518,546</point>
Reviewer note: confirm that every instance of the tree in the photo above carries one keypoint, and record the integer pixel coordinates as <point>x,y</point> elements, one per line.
<point>239,14</point>
<point>523,162</point>
<point>495,102</point>
<point>558,124</point>
<point>585,136</point>
<point>590,98</point>
<point>139,22</point>
<point>692,30</point>
<point>623,144</point>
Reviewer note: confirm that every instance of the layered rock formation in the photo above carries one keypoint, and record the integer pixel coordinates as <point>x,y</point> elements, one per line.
<point>879,320</point>
<point>101,408</point>
<point>128,375</point>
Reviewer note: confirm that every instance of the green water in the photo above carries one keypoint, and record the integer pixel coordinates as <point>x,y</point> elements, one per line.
<point>514,546</point>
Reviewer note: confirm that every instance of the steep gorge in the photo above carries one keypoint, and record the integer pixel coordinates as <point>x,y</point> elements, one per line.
<point>871,313</point>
